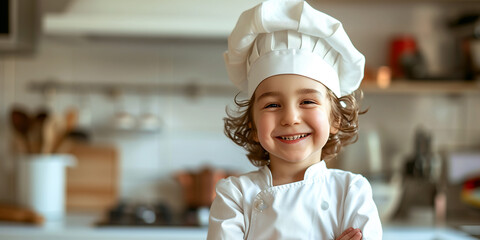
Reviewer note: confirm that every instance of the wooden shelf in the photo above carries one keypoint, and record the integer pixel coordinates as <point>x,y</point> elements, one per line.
<point>423,87</point>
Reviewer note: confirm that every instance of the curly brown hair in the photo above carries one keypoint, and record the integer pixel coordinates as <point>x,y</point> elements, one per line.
<point>240,127</point>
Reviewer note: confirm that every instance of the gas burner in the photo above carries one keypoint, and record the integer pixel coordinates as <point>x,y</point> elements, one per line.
<point>125,214</point>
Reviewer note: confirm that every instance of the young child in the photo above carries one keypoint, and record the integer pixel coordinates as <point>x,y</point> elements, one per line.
<point>299,70</point>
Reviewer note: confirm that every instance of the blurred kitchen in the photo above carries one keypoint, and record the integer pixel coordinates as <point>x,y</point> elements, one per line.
<point>134,93</point>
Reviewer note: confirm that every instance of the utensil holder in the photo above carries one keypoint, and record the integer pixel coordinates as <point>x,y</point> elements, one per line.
<point>41,183</point>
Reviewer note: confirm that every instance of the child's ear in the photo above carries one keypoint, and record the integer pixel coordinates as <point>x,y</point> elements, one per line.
<point>335,126</point>
<point>333,130</point>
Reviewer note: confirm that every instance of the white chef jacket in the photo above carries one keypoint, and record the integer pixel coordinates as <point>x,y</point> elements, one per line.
<point>321,207</point>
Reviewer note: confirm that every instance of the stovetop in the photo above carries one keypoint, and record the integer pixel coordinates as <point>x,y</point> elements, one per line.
<point>158,215</point>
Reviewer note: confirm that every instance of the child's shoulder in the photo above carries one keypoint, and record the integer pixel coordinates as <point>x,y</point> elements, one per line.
<point>247,180</point>
<point>347,178</point>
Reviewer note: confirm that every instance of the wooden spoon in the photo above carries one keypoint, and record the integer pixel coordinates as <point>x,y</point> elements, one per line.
<point>71,119</point>
<point>21,123</point>
<point>48,133</point>
<point>38,130</point>
<point>59,126</point>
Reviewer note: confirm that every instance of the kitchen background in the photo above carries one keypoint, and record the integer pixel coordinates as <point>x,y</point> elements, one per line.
<point>137,68</point>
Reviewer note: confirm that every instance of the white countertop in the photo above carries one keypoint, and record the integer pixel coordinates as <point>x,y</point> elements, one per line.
<point>81,226</point>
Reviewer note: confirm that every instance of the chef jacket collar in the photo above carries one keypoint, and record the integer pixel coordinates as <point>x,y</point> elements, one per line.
<point>313,172</point>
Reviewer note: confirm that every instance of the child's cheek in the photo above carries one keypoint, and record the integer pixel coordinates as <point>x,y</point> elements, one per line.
<point>263,125</point>
<point>320,121</point>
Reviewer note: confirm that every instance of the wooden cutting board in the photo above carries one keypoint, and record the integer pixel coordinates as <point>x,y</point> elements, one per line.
<point>92,185</point>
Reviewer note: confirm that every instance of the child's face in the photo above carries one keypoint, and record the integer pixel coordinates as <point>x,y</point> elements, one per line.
<point>292,118</point>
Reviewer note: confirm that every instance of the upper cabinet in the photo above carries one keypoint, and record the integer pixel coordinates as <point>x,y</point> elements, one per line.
<point>147,18</point>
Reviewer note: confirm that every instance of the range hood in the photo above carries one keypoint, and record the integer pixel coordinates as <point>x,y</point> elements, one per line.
<point>147,18</point>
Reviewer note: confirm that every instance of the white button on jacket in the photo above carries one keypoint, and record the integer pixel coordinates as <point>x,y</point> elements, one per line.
<point>322,206</point>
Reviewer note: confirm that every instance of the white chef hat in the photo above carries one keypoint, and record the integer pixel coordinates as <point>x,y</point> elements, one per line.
<point>290,37</point>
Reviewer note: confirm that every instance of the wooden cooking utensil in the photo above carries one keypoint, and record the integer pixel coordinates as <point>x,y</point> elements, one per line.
<point>21,123</point>
<point>71,119</point>
<point>37,131</point>
<point>48,133</point>
<point>35,134</point>
<point>62,127</point>
<point>61,132</point>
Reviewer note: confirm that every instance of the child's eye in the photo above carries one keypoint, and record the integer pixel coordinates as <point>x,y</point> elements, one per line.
<point>308,102</point>
<point>272,105</point>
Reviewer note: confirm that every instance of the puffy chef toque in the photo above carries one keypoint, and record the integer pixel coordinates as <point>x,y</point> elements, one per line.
<point>290,37</point>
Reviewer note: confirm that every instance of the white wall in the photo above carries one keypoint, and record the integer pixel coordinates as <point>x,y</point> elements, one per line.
<point>192,134</point>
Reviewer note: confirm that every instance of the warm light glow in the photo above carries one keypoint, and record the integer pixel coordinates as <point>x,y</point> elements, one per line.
<point>384,77</point>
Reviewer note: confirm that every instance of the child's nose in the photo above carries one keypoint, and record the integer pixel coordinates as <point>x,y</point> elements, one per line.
<point>291,116</point>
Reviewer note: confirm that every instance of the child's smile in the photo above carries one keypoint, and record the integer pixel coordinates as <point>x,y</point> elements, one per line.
<point>292,119</point>
<point>293,138</point>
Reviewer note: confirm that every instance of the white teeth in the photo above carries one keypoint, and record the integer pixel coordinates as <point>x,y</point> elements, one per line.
<point>290,138</point>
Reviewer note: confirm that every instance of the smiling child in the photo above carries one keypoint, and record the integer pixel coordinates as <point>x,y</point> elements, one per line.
<point>299,70</point>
